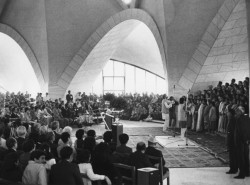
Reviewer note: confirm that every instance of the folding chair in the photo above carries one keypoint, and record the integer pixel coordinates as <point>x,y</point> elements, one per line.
<point>125,173</point>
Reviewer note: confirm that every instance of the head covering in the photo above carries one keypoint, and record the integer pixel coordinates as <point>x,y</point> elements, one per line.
<point>152,139</point>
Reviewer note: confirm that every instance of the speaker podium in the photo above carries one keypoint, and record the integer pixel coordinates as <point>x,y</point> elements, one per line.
<point>148,176</point>
<point>117,129</point>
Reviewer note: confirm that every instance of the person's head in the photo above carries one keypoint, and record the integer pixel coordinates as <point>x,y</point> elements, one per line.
<point>67,129</point>
<point>91,133</point>
<point>11,143</point>
<point>84,156</point>
<point>239,111</point>
<point>21,131</point>
<point>55,125</point>
<point>141,147</point>
<point>123,138</point>
<point>28,145</point>
<point>43,130</point>
<point>46,149</point>
<point>182,100</point>
<point>152,141</point>
<point>66,153</point>
<point>38,156</point>
<point>107,136</point>
<point>69,92</point>
<point>89,143</point>
<point>65,136</point>
<point>79,134</point>
<point>50,136</point>
<point>27,109</point>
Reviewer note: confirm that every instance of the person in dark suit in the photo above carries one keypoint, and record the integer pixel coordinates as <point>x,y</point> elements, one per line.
<point>230,142</point>
<point>123,138</point>
<point>139,159</point>
<point>151,150</point>
<point>241,143</point>
<point>122,152</point>
<point>69,97</point>
<point>65,172</point>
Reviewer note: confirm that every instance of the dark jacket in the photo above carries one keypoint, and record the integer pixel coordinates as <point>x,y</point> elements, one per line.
<point>20,142</point>
<point>123,149</point>
<point>139,160</point>
<point>154,152</point>
<point>64,173</point>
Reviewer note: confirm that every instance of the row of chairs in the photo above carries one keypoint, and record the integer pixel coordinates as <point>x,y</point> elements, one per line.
<point>127,174</point>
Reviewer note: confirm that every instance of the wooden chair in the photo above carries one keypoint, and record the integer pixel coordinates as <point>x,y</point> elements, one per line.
<point>125,173</point>
<point>84,175</point>
<point>160,167</point>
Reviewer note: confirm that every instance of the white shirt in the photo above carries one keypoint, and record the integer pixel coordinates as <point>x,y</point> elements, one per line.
<point>3,143</point>
<point>87,169</point>
<point>35,173</point>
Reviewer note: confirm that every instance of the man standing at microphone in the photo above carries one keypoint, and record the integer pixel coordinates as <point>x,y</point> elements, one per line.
<point>165,105</point>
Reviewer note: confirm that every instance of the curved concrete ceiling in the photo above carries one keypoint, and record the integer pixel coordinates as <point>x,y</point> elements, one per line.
<point>98,57</point>
<point>140,49</point>
<point>130,41</point>
<point>16,72</point>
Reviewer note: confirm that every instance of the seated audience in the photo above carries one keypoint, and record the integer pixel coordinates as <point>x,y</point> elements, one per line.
<point>9,169</point>
<point>102,161</point>
<point>86,168</point>
<point>123,138</point>
<point>79,143</point>
<point>21,134</point>
<point>50,159</point>
<point>28,147</point>
<point>35,172</point>
<point>11,144</point>
<point>122,152</point>
<point>65,141</point>
<point>65,172</point>
<point>57,131</point>
<point>151,150</point>
<point>138,158</point>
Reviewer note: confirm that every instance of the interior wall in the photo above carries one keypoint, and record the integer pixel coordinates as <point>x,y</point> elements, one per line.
<point>228,58</point>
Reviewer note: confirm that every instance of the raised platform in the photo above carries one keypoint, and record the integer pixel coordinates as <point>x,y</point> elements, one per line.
<point>175,142</point>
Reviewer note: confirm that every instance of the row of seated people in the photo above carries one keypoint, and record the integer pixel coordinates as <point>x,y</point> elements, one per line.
<point>41,155</point>
<point>79,113</point>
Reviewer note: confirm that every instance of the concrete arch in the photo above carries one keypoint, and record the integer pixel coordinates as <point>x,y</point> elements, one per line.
<point>27,50</point>
<point>85,54</point>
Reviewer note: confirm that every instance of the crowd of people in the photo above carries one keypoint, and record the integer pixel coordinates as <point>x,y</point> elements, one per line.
<point>36,145</point>
<point>36,134</point>
<point>210,110</point>
<point>46,154</point>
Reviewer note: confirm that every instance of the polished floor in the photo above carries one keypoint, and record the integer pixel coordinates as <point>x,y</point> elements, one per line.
<point>204,176</point>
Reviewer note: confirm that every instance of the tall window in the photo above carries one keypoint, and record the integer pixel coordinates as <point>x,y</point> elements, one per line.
<point>119,78</point>
<point>113,77</point>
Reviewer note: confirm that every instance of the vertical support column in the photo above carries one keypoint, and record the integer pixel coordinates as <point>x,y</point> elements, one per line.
<point>248,31</point>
